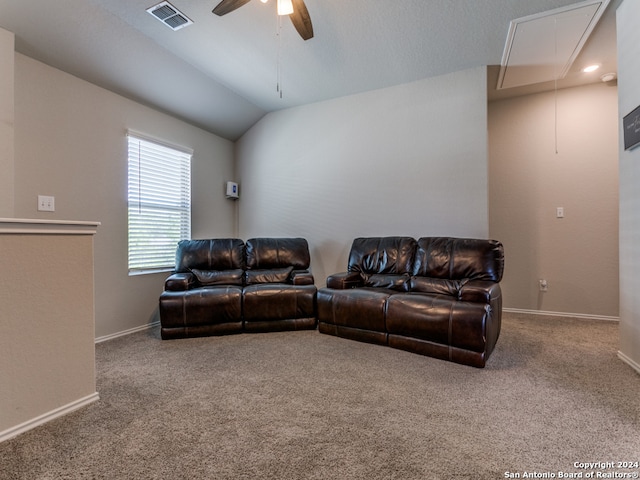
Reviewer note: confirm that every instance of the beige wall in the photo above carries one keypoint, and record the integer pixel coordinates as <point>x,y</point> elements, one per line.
<point>532,173</point>
<point>70,143</point>
<point>406,160</point>
<point>47,328</point>
<point>6,122</point>
<point>629,98</point>
<point>367,164</point>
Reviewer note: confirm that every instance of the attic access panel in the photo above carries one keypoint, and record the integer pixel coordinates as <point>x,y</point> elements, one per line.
<point>542,47</point>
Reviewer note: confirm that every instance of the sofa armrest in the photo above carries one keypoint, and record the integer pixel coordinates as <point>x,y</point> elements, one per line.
<point>344,280</point>
<point>480,291</point>
<point>302,277</point>
<point>180,282</point>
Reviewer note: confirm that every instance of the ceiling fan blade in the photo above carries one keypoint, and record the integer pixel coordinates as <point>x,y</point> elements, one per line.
<point>301,19</point>
<point>227,6</point>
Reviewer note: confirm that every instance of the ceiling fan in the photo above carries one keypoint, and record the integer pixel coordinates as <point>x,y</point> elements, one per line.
<point>300,16</point>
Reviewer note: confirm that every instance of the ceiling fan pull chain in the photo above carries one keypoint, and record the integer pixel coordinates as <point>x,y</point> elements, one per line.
<point>555,83</point>
<point>279,57</point>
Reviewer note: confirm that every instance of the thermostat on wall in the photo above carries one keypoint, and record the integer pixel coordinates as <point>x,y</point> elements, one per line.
<point>232,190</point>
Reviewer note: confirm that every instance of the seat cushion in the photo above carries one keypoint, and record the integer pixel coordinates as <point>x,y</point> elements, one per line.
<point>201,306</point>
<point>361,308</point>
<point>438,319</point>
<point>421,316</point>
<point>277,301</point>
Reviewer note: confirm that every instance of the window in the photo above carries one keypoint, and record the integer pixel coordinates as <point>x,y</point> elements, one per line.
<point>159,199</point>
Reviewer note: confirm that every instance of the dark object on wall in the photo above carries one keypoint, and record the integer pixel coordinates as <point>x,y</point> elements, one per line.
<point>631,129</point>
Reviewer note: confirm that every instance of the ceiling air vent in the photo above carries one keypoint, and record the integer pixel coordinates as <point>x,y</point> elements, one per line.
<point>170,16</point>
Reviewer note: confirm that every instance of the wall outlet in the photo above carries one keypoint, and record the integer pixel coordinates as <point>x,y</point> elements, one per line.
<point>544,286</point>
<point>46,203</point>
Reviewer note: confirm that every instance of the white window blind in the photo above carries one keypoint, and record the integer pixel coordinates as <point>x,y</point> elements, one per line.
<point>159,199</point>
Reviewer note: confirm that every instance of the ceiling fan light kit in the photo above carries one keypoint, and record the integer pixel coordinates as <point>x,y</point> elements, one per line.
<point>295,9</point>
<point>285,7</point>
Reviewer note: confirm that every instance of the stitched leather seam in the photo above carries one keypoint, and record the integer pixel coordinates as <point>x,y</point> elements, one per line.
<point>450,331</point>
<point>184,314</point>
<point>450,258</point>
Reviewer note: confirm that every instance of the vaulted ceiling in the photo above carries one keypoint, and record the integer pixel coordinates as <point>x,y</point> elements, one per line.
<point>222,73</point>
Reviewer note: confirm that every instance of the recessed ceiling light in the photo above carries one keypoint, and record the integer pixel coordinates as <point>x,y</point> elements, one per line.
<point>608,77</point>
<point>591,68</point>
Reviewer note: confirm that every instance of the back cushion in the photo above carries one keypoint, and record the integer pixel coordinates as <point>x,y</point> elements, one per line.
<point>214,254</point>
<point>384,280</point>
<point>382,255</point>
<point>270,275</point>
<point>218,277</point>
<point>265,253</point>
<point>458,258</point>
<point>437,286</point>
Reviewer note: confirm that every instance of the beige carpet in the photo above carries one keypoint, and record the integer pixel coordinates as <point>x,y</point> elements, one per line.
<point>302,405</point>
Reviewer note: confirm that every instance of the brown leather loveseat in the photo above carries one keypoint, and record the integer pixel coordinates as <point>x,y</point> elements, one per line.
<point>223,286</point>
<point>437,296</point>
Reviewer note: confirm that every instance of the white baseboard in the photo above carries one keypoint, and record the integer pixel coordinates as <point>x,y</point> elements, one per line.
<point>633,364</point>
<point>126,332</point>
<point>563,314</point>
<point>47,417</point>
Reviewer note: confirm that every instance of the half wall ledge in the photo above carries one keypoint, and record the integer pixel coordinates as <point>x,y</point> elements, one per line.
<point>47,321</point>
<point>47,227</point>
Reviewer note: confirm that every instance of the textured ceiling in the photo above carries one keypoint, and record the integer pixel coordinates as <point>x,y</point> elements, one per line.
<point>221,72</point>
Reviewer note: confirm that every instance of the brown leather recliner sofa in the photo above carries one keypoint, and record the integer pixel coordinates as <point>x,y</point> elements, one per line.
<point>224,286</point>
<point>436,296</point>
